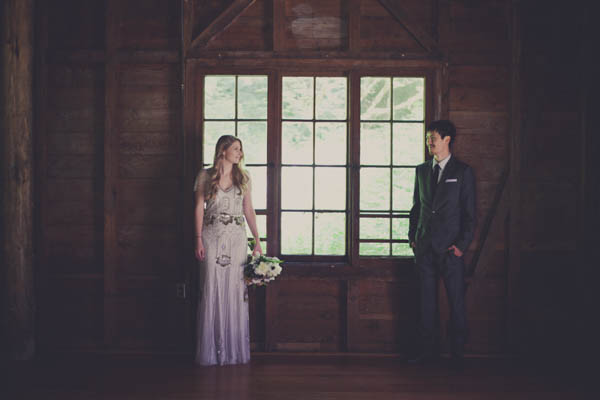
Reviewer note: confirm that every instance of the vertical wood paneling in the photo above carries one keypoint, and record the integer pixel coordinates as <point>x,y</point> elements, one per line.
<point>110,189</point>
<point>353,12</point>
<point>352,315</point>
<point>278,25</point>
<point>17,304</point>
<point>514,245</point>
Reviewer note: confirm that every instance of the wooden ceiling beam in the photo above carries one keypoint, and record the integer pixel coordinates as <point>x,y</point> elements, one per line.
<point>227,17</point>
<point>424,39</point>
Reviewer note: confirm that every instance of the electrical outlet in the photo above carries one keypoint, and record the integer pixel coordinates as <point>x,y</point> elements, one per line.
<point>181,292</point>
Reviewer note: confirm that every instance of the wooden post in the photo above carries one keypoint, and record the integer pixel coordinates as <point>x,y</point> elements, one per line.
<point>110,184</point>
<point>16,161</point>
<point>514,245</point>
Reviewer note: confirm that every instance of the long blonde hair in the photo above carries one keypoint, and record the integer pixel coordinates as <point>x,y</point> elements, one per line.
<point>239,177</point>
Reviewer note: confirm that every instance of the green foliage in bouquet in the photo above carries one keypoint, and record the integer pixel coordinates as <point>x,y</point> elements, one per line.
<point>259,269</point>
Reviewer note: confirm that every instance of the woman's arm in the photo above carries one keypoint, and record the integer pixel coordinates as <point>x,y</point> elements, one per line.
<point>250,215</point>
<point>199,217</point>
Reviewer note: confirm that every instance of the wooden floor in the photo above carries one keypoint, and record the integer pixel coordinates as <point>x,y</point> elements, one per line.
<point>283,377</point>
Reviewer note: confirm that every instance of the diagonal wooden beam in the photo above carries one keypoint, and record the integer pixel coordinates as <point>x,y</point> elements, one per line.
<point>221,23</point>
<point>424,39</point>
<point>493,223</point>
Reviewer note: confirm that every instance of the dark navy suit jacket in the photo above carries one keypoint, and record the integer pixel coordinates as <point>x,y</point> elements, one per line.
<point>449,218</point>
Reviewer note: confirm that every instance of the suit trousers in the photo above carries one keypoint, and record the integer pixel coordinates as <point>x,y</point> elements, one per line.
<point>451,269</point>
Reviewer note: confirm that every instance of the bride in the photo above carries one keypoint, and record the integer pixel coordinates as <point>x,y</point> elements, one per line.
<point>223,199</point>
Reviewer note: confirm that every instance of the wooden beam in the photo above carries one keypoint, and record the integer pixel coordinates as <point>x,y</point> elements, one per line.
<point>442,92</point>
<point>187,23</point>
<point>221,23</point>
<point>42,283</point>
<point>278,24</point>
<point>353,7</point>
<point>354,200</point>
<point>493,223</point>
<point>110,174</point>
<point>273,205</point>
<point>313,54</point>
<point>16,162</point>
<point>424,38</point>
<point>588,212</point>
<point>516,138</point>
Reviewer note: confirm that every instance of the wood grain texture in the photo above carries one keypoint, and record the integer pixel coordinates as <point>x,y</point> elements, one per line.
<point>403,16</point>
<point>17,304</point>
<point>219,24</point>
<point>294,377</point>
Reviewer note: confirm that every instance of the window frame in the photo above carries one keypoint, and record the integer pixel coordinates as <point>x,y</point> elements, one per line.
<point>431,71</point>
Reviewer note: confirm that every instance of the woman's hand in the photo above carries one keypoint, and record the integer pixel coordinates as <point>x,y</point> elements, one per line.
<point>257,248</point>
<point>199,248</point>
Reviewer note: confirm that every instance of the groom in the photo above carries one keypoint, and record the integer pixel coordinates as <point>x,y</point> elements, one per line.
<point>442,221</point>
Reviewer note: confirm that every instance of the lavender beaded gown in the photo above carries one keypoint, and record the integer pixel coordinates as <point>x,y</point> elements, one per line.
<point>223,334</point>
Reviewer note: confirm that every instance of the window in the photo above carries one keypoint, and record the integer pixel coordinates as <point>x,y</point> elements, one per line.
<point>392,118</point>
<point>314,128</point>
<point>237,105</point>
<point>312,132</point>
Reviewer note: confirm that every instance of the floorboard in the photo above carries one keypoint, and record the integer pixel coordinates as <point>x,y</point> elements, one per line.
<point>290,377</point>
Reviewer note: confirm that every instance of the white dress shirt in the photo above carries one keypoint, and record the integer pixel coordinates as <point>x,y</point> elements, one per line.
<point>442,165</point>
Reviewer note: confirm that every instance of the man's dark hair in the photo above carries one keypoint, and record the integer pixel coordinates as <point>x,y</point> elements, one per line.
<point>444,128</point>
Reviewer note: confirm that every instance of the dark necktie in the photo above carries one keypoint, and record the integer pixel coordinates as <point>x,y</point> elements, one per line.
<point>434,179</point>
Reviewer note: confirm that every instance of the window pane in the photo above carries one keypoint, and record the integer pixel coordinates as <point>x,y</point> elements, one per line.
<point>330,234</point>
<point>252,97</point>
<point>213,130</point>
<point>259,187</point>
<point>330,188</point>
<point>261,224</point>
<point>297,98</point>
<point>409,99</point>
<point>297,143</point>
<point>400,228</point>
<point>296,188</point>
<point>219,97</point>
<point>331,95</point>
<point>374,189</point>
<point>375,144</point>
<point>409,144</point>
<point>330,146</point>
<point>254,138</point>
<point>375,98</point>
<point>402,249</point>
<point>374,249</point>
<point>374,228</point>
<point>296,232</point>
<point>404,183</point>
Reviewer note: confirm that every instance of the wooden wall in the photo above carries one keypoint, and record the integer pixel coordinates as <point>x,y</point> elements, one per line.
<point>117,152</point>
<point>552,175</point>
<point>109,172</point>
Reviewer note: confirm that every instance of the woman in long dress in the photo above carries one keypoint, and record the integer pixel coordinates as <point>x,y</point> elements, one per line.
<point>223,198</point>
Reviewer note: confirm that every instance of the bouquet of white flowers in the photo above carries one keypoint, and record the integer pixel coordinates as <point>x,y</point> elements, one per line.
<point>260,270</point>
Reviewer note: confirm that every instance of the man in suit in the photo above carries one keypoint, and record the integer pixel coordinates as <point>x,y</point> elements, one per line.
<point>442,222</point>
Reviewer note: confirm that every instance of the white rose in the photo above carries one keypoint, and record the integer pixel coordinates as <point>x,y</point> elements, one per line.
<point>274,269</point>
<point>262,269</point>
